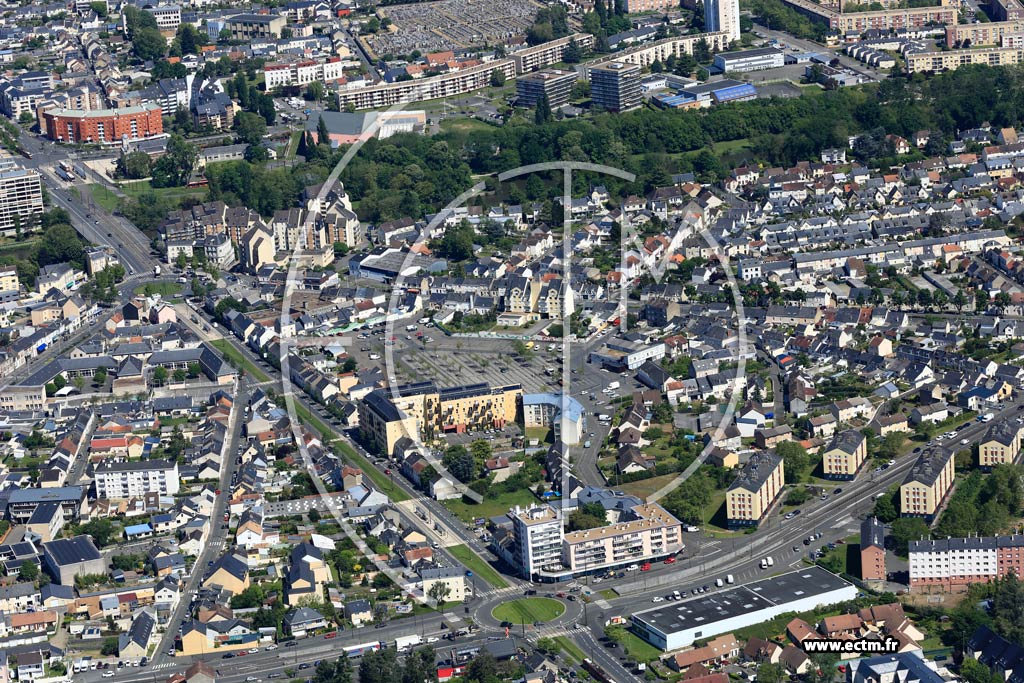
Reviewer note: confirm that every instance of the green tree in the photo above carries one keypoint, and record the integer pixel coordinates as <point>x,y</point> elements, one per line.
<point>160,376</point>
<point>175,167</point>
<point>110,647</point>
<point>148,44</point>
<point>101,530</point>
<point>250,128</point>
<point>315,91</point>
<point>885,508</point>
<point>973,671</point>
<point>906,529</point>
<point>28,572</point>
<point>771,673</point>
<point>542,113</point>
<point>323,136</point>
<point>100,376</point>
<point>439,592</point>
<point>133,166</point>
<point>573,53</point>
<point>795,460</point>
<point>460,464</point>
<point>497,78</point>
<point>60,244</point>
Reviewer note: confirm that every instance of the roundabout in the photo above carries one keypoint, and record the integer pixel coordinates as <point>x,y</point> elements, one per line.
<point>528,610</point>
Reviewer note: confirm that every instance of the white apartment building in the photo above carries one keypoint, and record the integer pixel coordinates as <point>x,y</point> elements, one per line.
<point>303,73</point>
<point>120,480</point>
<point>723,15</point>
<point>652,533</point>
<point>538,533</point>
<point>168,17</point>
<point>935,561</point>
<point>21,196</point>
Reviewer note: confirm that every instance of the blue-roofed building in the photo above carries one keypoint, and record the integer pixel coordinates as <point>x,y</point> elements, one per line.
<point>137,531</point>
<point>707,94</point>
<point>562,412</point>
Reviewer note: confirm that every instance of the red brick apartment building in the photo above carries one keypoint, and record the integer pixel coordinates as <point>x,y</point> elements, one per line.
<point>104,125</point>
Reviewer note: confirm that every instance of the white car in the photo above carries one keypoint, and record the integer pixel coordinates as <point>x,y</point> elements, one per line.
<point>270,648</point>
<point>432,639</point>
<point>108,674</point>
<point>253,650</point>
<point>374,356</point>
<point>657,598</point>
<point>891,463</point>
<point>632,567</point>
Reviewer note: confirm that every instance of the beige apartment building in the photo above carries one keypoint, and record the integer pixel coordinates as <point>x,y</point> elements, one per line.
<point>982,35</point>
<point>755,489</point>
<point>927,484</point>
<point>423,411</point>
<point>1000,445</point>
<point>953,59</point>
<point>845,455</point>
<point>652,533</point>
<point>884,19</point>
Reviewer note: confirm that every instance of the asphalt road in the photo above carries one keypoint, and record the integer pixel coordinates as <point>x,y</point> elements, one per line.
<point>218,533</point>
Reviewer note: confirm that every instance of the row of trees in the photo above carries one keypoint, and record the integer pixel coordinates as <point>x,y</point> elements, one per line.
<point>655,144</point>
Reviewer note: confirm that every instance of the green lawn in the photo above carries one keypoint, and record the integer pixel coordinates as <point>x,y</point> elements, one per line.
<point>529,610</point>
<point>102,195</point>
<point>490,506</point>
<point>475,564</point>
<point>639,649</point>
<point>570,648</point>
<point>164,289</point>
<point>647,487</point>
<point>235,357</point>
<point>464,125</point>
<point>134,190</point>
<point>730,146</point>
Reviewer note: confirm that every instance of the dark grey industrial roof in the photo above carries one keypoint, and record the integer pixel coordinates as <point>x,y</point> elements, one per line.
<point>67,551</point>
<point>738,600</point>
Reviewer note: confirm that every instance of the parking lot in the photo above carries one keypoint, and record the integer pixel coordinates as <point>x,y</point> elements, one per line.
<point>451,24</point>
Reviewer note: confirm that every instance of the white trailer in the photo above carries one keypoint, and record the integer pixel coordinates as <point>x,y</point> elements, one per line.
<point>404,643</point>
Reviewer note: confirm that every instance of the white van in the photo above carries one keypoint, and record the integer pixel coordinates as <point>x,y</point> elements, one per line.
<point>771,562</point>
<point>719,583</point>
<point>729,579</point>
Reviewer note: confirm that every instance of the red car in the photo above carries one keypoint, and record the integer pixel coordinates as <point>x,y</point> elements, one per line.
<point>645,567</point>
<point>670,560</point>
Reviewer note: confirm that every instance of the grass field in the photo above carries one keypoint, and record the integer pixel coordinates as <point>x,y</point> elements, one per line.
<point>476,565</point>
<point>570,648</point>
<point>464,125</point>
<point>490,506</point>
<point>529,610</point>
<point>133,190</point>
<point>103,196</point>
<point>639,649</point>
<point>164,289</point>
<point>235,357</point>
<point>646,487</point>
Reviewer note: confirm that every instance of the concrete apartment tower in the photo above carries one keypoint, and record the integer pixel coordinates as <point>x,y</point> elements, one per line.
<point>723,15</point>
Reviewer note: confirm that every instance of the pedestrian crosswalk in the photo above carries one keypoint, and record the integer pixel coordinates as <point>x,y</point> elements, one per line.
<point>162,665</point>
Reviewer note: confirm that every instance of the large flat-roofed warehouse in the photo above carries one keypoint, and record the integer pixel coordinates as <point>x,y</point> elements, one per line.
<point>674,625</point>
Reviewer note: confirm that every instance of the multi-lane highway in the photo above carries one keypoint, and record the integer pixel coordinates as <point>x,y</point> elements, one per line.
<point>88,218</point>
